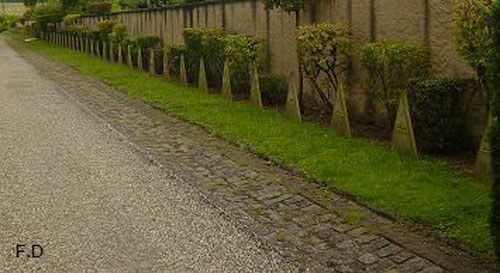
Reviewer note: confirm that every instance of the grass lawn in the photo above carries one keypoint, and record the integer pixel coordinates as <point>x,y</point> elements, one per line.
<point>420,190</point>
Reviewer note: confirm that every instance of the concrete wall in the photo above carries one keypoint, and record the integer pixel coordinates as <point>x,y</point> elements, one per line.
<point>426,22</point>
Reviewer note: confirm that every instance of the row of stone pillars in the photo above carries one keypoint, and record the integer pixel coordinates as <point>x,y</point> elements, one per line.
<point>106,51</point>
<point>403,138</point>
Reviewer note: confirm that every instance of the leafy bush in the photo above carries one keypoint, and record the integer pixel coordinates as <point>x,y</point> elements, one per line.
<point>8,21</point>
<point>100,7</point>
<point>323,52</point>
<point>119,32</point>
<point>215,46</point>
<point>209,44</point>
<point>104,28</point>
<point>438,113</point>
<point>144,4</point>
<point>77,29</point>
<point>52,12</point>
<point>273,88</point>
<point>474,32</point>
<point>71,19</point>
<point>389,66</point>
<point>147,42</point>
<point>242,51</point>
<point>174,53</point>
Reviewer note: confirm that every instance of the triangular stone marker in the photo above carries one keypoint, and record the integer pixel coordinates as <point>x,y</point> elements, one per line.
<point>292,100</point>
<point>182,71</point>
<point>92,51</point>
<point>403,139</point>
<point>129,56</point>
<point>255,95</point>
<point>166,65</point>
<point>111,52</point>
<point>483,169</point>
<point>152,64</point>
<point>202,77</point>
<point>120,53</point>
<point>98,49</point>
<point>140,64</point>
<point>104,50</point>
<point>340,119</point>
<point>226,81</point>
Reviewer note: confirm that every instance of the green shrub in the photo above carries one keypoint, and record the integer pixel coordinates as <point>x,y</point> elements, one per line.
<point>144,4</point>
<point>147,42</point>
<point>104,28</point>
<point>242,51</point>
<point>209,44</point>
<point>8,21</point>
<point>474,34</point>
<point>50,13</point>
<point>100,7</point>
<point>174,53</point>
<point>119,32</point>
<point>273,88</point>
<point>389,66</point>
<point>71,19</point>
<point>215,46</point>
<point>324,51</point>
<point>438,113</point>
<point>77,29</point>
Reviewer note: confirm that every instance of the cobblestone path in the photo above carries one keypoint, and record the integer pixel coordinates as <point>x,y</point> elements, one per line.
<point>319,229</point>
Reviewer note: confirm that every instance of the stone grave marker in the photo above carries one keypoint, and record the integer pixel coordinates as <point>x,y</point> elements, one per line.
<point>202,77</point>
<point>226,81</point>
<point>166,65</point>
<point>255,95</point>
<point>340,119</point>
<point>483,169</point>
<point>129,56</point>
<point>152,64</point>
<point>292,100</point>
<point>403,139</point>
<point>140,64</point>
<point>182,70</point>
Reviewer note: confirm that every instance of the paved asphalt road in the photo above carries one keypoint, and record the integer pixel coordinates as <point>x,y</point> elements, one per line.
<point>73,185</point>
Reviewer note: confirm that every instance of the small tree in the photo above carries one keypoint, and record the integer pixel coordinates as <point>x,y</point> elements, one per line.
<point>389,67</point>
<point>324,52</point>
<point>474,33</point>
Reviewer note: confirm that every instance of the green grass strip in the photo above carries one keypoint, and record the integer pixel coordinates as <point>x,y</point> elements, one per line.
<point>420,190</point>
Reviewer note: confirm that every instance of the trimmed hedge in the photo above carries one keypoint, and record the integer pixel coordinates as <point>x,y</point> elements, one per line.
<point>174,58</point>
<point>389,66</point>
<point>215,46</point>
<point>437,109</point>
